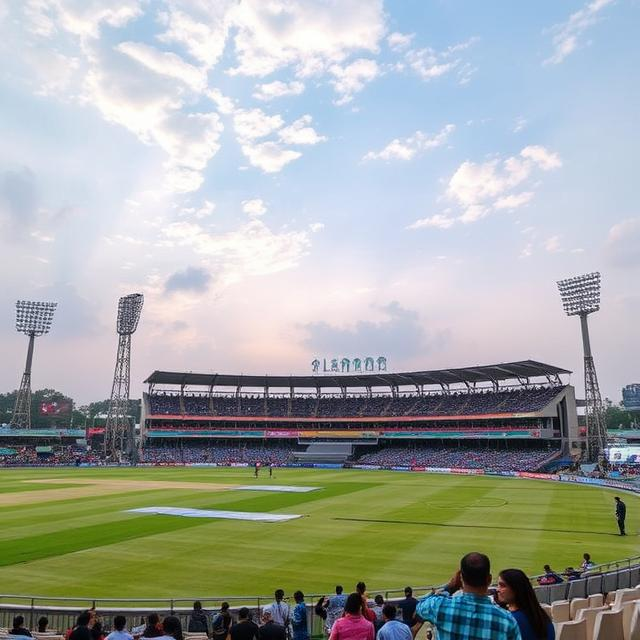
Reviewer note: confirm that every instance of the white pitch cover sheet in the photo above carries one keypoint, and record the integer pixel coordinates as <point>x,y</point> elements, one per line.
<point>205,513</point>
<point>275,487</point>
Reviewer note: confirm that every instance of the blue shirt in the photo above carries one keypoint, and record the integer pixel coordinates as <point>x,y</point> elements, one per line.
<point>394,630</point>
<point>299,622</point>
<point>467,617</point>
<point>527,632</point>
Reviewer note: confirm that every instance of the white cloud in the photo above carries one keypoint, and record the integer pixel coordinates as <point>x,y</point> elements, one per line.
<point>542,157</point>
<point>251,124</point>
<point>278,89</point>
<point>438,221</point>
<point>514,200</point>
<point>428,63</point>
<point>352,78</point>
<point>407,148</point>
<point>307,35</point>
<point>316,226</point>
<point>623,244</point>
<point>199,213</point>
<point>520,124</point>
<point>298,132</point>
<point>165,63</point>
<point>567,34</point>
<point>552,244</point>
<point>254,207</point>
<point>269,156</point>
<point>399,41</point>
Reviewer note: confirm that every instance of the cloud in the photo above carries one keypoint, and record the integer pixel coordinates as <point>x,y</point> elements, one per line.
<point>277,89</point>
<point>18,202</point>
<point>316,226</point>
<point>514,200</point>
<point>438,221</point>
<point>408,148</point>
<point>254,207</point>
<point>399,41</point>
<point>308,36</point>
<point>299,132</point>
<point>429,63</point>
<point>352,78</point>
<point>269,156</point>
<point>251,124</point>
<point>552,244</point>
<point>401,334</point>
<point>193,279</point>
<point>623,244</point>
<point>567,34</point>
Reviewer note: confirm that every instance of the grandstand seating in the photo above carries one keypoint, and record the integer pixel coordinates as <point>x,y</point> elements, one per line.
<point>219,454</point>
<point>473,403</point>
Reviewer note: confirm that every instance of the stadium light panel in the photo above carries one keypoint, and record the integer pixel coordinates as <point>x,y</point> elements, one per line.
<point>34,318</point>
<point>129,310</point>
<point>580,295</point>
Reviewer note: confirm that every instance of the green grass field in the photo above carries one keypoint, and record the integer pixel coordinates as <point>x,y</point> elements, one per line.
<point>390,529</point>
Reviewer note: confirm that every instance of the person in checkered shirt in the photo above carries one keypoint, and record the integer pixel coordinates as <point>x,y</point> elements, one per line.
<point>471,615</point>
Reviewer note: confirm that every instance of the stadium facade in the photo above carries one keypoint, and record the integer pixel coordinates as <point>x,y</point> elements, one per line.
<point>525,403</point>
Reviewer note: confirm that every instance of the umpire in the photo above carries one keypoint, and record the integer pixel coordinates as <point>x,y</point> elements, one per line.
<point>621,514</point>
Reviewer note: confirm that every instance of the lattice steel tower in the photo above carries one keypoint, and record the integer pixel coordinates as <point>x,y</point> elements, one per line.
<point>34,320</point>
<point>580,297</point>
<point>119,437</point>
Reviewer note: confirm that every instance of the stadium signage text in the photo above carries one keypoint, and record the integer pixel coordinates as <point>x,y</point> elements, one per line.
<point>345,365</point>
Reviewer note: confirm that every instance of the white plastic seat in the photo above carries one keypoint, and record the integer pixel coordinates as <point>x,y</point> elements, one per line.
<point>625,595</point>
<point>560,611</point>
<point>589,616</point>
<point>596,600</point>
<point>608,626</point>
<point>628,608</point>
<point>572,630</point>
<point>634,626</point>
<point>576,604</point>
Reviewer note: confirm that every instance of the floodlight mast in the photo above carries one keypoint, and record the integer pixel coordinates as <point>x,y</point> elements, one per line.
<point>119,438</point>
<point>34,320</point>
<point>581,297</point>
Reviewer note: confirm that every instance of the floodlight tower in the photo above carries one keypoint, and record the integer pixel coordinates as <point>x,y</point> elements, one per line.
<point>119,437</point>
<point>34,320</point>
<point>581,297</point>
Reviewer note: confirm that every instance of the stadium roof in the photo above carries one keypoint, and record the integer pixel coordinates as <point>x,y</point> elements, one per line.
<point>487,373</point>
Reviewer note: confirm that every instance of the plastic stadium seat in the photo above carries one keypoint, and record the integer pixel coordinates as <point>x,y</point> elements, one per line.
<point>560,611</point>
<point>624,579</point>
<point>634,627</point>
<point>596,600</point>
<point>628,609</point>
<point>542,593</point>
<point>610,581</point>
<point>574,630</point>
<point>547,609</point>
<point>589,616</point>
<point>611,596</point>
<point>576,604</point>
<point>608,626</point>
<point>594,584</point>
<point>625,595</point>
<point>558,592</point>
<point>577,589</point>
<point>634,577</point>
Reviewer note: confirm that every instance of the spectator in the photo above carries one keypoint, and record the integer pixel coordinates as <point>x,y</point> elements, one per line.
<point>393,629</point>
<point>571,574</point>
<point>153,628</point>
<point>279,609</point>
<point>550,576</point>
<point>515,590</point>
<point>408,607</point>
<point>119,632</point>
<point>172,628</point>
<point>361,588</point>
<point>221,623</point>
<point>335,608</point>
<point>353,625</point>
<point>471,616</point>
<point>96,629</point>
<point>587,564</point>
<point>198,622</point>
<point>245,629</point>
<point>81,631</point>
<point>271,630</point>
<point>19,629</point>
<point>299,618</point>
<point>43,622</point>
<point>377,609</point>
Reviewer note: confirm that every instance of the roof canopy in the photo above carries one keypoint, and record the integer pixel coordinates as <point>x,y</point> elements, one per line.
<point>488,373</point>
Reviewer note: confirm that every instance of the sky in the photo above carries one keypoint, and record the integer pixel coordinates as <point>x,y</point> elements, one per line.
<point>292,179</point>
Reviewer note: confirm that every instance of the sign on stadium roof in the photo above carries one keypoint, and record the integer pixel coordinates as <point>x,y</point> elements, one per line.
<point>345,365</point>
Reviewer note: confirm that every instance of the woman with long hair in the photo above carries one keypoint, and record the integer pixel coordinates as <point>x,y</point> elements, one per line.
<point>515,591</point>
<point>353,625</point>
<point>172,628</point>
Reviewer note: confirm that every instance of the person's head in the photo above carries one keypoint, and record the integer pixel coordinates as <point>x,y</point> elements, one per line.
<point>83,619</point>
<point>361,587</point>
<point>119,623</point>
<point>266,616</point>
<point>617,498</point>
<point>475,570</point>
<point>172,627</point>
<point>389,612</point>
<point>379,600</point>
<point>408,592</point>
<point>587,557</point>
<point>279,595</point>
<point>353,604</point>
<point>197,605</point>
<point>153,619</point>
<point>339,589</point>
<point>298,596</point>
<point>18,622</point>
<point>224,607</point>
<point>547,568</point>
<point>515,590</point>
<point>43,621</point>
<point>243,613</point>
